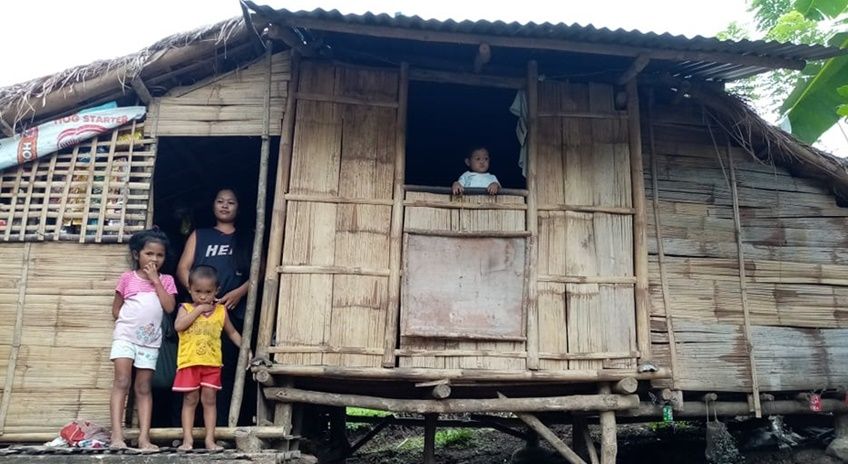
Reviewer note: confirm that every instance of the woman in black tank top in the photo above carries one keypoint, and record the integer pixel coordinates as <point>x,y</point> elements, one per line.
<point>228,251</point>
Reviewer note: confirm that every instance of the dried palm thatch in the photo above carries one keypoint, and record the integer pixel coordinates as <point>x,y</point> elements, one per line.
<point>28,99</point>
<point>767,143</point>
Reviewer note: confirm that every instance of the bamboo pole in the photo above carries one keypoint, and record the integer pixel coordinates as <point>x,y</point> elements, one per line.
<point>11,367</point>
<point>546,433</point>
<point>532,221</point>
<point>159,434</point>
<point>672,344</point>
<point>743,288</point>
<point>609,441</point>
<point>268,312</point>
<point>698,409</point>
<point>585,403</point>
<point>425,374</point>
<point>256,257</point>
<point>640,240</point>
<point>396,231</point>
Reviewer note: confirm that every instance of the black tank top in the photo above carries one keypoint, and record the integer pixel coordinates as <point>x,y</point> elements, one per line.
<point>215,248</point>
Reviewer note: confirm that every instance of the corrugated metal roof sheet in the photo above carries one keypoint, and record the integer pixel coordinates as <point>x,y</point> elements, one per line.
<point>588,34</point>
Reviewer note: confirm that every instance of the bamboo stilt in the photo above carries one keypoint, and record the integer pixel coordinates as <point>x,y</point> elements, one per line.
<point>11,367</point>
<point>430,421</point>
<point>672,345</point>
<point>396,230</point>
<point>640,239</point>
<point>609,441</point>
<point>267,315</point>
<point>532,218</point>
<point>256,257</point>
<point>534,423</point>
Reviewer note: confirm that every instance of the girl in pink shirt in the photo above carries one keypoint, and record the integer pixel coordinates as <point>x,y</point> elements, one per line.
<point>141,297</point>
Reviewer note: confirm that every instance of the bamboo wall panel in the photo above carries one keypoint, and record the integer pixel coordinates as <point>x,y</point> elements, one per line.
<point>229,104</point>
<point>584,160</point>
<point>344,153</point>
<point>63,369</point>
<point>795,246</point>
<point>95,191</point>
<point>499,354</point>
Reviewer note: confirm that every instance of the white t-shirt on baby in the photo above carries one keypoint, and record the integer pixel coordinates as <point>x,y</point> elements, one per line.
<point>471,179</point>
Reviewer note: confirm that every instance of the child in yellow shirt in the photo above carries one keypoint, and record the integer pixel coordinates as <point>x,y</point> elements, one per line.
<point>199,356</point>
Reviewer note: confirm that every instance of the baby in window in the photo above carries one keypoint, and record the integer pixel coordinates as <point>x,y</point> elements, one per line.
<point>478,176</point>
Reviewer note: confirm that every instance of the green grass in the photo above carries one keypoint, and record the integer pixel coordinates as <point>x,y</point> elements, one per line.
<point>366,412</point>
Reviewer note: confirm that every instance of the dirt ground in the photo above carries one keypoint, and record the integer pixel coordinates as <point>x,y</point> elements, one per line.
<point>644,443</point>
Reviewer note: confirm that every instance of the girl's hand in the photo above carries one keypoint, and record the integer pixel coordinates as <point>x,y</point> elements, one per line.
<point>456,188</point>
<point>206,308</point>
<point>231,299</point>
<point>493,188</point>
<point>150,271</point>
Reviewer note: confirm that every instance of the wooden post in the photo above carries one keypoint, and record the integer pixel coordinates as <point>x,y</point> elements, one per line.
<point>256,256</point>
<point>268,313</point>
<point>430,421</point>
<point>640,239</point>
<point>743,288</point>
<point>581,441</point>
<point>609,442</point>
<point>672,342</point>
<point>532,217</point>
<point>626,386</point>
<point>396,233</point>
<point>534,423</point>
<point>9,384</point>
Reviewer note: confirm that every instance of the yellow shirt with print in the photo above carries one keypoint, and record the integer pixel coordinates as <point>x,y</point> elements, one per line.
<point>200,343</point>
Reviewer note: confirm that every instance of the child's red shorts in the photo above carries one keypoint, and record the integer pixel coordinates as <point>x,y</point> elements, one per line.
<point>193,377</point>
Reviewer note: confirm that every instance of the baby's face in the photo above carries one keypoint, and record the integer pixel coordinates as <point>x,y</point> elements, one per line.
<point>478,161</point>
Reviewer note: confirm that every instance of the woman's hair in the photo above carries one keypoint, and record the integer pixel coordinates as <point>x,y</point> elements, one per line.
<point>242,237</point>
<point>141,238</point>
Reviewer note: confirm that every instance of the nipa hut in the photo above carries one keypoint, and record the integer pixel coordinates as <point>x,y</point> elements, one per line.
<point>654,238</point>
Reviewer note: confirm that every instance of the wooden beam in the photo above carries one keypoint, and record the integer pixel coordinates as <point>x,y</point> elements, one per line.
<point>425,374</point>
<point>698,409</point>
<point>635,68</point>
<point>480,80</point>
<point>469,233</point>
<point>141,90</point>
<point>743,286</point>
<point>535,43</point>
<point>640,237</point>
<point>532,218</point>
<point>585,403</point>
<point>158,434</point>
<point>626,386</point>
<point>270,290</point>
<point>546,433</point>
<point>396,227</point>
<point>290,38</point>
<point>484,55</point>
<point>621,280</point>
<point>256,256</point>
<point>655,197</point>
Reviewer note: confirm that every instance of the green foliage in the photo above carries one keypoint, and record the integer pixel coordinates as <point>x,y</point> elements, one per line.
<point>767,12</point>
<point>363,412</point>
<point>818,10</point>
<point>454,437</point>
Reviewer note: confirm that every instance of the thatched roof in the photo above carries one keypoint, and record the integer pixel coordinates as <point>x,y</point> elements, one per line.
<point>198,53</point>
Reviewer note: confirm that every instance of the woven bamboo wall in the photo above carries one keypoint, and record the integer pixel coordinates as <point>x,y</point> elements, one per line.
<point>62,292</point>
<point>795,247</point>
<point>334,287</point>
<point>95,191</point>
<point>227,104</point>
<point>585,229</point>
<point>454,353</point>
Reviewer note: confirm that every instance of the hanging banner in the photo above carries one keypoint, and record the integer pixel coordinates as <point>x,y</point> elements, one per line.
<point>49,137</point>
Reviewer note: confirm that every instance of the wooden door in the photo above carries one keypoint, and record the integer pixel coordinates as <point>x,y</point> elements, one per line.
<point>586,303</point>
<point>334,286</point>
